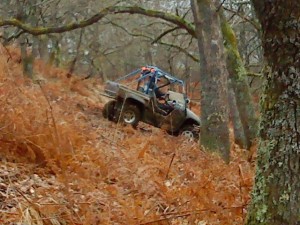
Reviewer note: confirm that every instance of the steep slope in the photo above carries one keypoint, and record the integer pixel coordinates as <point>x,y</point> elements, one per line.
<point>62,163</point>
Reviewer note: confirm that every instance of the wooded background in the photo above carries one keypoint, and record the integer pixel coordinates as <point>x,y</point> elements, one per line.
<point>225,50</point>
<point>110,39</point>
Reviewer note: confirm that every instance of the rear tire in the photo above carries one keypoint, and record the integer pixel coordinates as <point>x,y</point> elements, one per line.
<point>108,110</point>
<point>130,114</point>
<point>188,131</point>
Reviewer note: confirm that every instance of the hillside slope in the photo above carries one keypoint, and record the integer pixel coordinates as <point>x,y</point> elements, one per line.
<point>62,163</point>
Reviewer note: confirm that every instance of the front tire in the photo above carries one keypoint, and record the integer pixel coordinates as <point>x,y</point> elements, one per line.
<point>130,114</point>
<point>190,132</point>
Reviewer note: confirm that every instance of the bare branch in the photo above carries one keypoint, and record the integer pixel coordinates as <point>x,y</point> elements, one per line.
<point>219,7</point>
<point>195,59</point>
<point>235,13</point>
<point>186,13</point>
<point>13,36</point>
<point>180,22</point>
<point>128,32</point>
<point>164,34</point>
<point>180,49</point>
<point>73,63</point>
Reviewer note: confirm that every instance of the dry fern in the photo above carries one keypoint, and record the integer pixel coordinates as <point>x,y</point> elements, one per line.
<point>62,163</point>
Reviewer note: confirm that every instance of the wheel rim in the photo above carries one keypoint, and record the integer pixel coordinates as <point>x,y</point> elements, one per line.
<point>188,134</point>
<point>129,117</point>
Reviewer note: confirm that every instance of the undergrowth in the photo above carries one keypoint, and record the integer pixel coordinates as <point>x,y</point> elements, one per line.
<point>62,163</point>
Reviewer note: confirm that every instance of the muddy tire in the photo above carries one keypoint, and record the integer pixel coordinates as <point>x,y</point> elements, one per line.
<point>108,110</point>
<point>188,131</point>
<point>130,114</point>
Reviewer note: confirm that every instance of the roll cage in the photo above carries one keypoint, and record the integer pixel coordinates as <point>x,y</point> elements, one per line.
<point>150,75</point>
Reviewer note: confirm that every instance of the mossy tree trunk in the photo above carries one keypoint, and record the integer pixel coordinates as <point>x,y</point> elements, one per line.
<point>276,194</point>
<point>238,77</point>
<point>213,78</point>
<point>234,116</point>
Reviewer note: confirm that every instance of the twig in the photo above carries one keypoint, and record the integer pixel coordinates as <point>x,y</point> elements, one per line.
<point>52,203</point>
<point>180,49</point>
<point>249,20</point>
<point>27,199</point>
<point>172,215</point>
<point>73,63</point>
<point>13,36</point>
<point>147,213</point>
<point>46,218</point>
<point>119,117</point>
<point>8,52</point>
<point>11,213</point>
<point>167,174</point>
<point>113,142</point>
<point>164,34</point>
<point>240,187</point>
<point>163,219</point>
<point>51,113</point>
<point>219,7</point>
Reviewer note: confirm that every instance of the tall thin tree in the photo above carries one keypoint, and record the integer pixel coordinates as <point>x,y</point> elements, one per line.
<point>213,78</point>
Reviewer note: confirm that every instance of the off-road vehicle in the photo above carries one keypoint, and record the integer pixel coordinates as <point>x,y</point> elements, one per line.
<point>154,97</point>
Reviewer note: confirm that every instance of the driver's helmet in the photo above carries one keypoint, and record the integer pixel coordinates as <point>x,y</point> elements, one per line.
<point>147,70</point>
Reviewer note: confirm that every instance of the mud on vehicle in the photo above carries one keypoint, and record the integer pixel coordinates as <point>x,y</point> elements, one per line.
<point>154,97</point>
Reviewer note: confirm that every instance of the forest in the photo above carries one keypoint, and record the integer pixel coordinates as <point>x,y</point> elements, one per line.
<point>208,132</point>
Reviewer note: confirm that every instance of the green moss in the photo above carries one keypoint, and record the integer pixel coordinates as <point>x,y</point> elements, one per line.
<point>259,210</point>
<point>228,34</point>
<point>234,60</point>
<point>209,142</point>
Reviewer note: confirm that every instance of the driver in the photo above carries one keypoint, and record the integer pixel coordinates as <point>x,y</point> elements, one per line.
<point>158,93</point>
<point>165,104</point>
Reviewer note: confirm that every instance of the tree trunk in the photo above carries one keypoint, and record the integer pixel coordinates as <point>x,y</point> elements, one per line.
<point>213,79</point>
<point>237,74</point>
<point>234,115</point>
<point>23,15</point>
<point>27,58</point>
<point>148,56</point>
<point>276,195</point>
<point>44,54</point>
<point>187,75</point>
